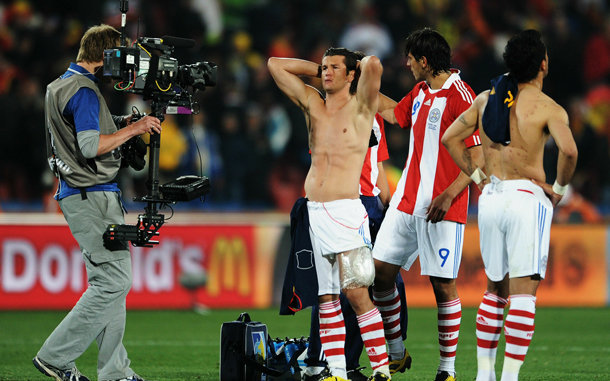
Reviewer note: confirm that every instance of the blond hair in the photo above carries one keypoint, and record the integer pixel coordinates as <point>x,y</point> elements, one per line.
<point>95,40</point>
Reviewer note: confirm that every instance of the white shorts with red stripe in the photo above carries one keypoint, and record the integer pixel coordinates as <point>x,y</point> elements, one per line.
<point>515,228</point>
<point>403,237</point>
<point>335,227</point>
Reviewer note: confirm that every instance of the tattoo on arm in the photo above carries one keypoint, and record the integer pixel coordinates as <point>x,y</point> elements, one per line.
<point>468,160</point>
<point>463,120</point>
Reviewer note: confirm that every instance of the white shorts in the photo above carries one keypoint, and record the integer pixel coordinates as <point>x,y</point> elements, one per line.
<point>335,227</point>
<point>515,228</point>
<point>403,237</point>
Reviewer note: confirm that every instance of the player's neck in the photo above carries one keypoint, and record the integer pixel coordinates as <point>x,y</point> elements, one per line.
<point>437,82</point>
<point>536,83</point>
<point>336,101</point>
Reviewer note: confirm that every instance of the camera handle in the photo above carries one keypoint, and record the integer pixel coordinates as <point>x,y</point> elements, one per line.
<point>152,184</point>
<point>151,220</point>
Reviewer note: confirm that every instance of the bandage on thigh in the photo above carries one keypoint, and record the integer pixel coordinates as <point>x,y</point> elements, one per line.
<point>357,268</point>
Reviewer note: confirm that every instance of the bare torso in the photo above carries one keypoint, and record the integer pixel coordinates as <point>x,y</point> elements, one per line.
<point>522,158</point>
<point>338,139</point>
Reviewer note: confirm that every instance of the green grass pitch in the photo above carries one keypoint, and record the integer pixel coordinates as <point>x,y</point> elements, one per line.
<point>568,344</point>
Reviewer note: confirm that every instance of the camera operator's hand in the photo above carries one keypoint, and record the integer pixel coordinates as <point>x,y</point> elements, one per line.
<point>127,119</point>
<point>148,124</point>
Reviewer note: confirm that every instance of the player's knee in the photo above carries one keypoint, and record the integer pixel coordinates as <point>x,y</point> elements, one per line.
<point>385,275</point>
<point>357,268</point>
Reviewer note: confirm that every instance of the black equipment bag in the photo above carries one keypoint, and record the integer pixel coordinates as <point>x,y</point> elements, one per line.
<point>246,338</point>
<point>246,350</point>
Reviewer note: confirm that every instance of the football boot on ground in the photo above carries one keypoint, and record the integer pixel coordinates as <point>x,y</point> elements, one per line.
<point>444,376</point>
<point>324,374</point>
<point>379,377</point>
<point>356,375</point>
<point>402,364</point>
<point>135,377</point>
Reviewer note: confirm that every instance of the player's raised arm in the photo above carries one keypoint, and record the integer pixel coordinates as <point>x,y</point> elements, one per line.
<point>286,72</point>
<point>386,108</point>
<point>369,83</point>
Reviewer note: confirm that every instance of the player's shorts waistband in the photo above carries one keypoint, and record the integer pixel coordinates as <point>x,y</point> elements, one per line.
<point>334,204</point>
<point>497,185</point>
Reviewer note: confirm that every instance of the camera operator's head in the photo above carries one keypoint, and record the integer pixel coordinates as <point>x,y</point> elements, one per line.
<point>95,40</point>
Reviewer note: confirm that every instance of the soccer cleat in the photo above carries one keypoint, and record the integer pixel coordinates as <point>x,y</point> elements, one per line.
<point>135,377</point>
<point>323,375</point>
<point>402,364</point>
<point>356,375</point>
<point>334,378</point>
<point>59,375</point>
<point>379,377</point>
<point>444,376</point>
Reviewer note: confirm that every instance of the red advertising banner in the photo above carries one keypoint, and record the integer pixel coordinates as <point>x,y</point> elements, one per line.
<point>213,266</point>
<point>229,264</point>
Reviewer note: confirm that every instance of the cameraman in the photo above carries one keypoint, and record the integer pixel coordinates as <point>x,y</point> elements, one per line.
<point>83,143</point>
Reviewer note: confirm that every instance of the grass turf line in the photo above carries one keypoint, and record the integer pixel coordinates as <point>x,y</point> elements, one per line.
<point>568,344</point>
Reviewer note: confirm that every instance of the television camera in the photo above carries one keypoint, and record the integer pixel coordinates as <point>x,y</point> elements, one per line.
<point>147,68</point>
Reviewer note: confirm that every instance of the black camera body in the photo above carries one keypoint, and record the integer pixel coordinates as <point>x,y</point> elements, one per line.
<point>148,69</point>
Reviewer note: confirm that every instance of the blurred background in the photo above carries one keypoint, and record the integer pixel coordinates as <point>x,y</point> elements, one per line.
<point>251,141</point>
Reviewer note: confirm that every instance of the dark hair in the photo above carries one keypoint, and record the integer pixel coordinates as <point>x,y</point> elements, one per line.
<point>523,55</point>
<point>429,43</point>
<point>351,59</point>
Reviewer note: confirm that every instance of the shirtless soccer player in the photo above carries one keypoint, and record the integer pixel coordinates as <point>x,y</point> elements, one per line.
<point>339,130</point>
<point>515,119</point>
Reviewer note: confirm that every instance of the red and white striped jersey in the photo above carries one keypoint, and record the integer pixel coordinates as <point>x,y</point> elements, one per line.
<point>430,169</point>
<point>375,154</point>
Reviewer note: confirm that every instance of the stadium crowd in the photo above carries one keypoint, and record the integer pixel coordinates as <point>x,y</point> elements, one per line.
<point>250,140</point>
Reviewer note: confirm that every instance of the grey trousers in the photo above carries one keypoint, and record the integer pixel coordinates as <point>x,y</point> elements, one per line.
<point>100,312</point>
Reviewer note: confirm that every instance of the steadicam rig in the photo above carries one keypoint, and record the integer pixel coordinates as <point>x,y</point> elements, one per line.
<point>147,68</point>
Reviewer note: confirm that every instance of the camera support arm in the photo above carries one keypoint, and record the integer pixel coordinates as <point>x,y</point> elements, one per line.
<point>150,222</point>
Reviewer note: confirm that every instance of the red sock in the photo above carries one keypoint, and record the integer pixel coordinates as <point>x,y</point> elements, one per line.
<point>489,324</point>
<point>388,303</point>
<point>371,329</point>
<point>449,319</point>
<point>332,334</point>
<point>519,325</point>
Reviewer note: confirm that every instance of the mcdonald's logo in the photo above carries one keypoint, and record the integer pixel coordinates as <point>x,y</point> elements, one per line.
<point>229,267</point>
